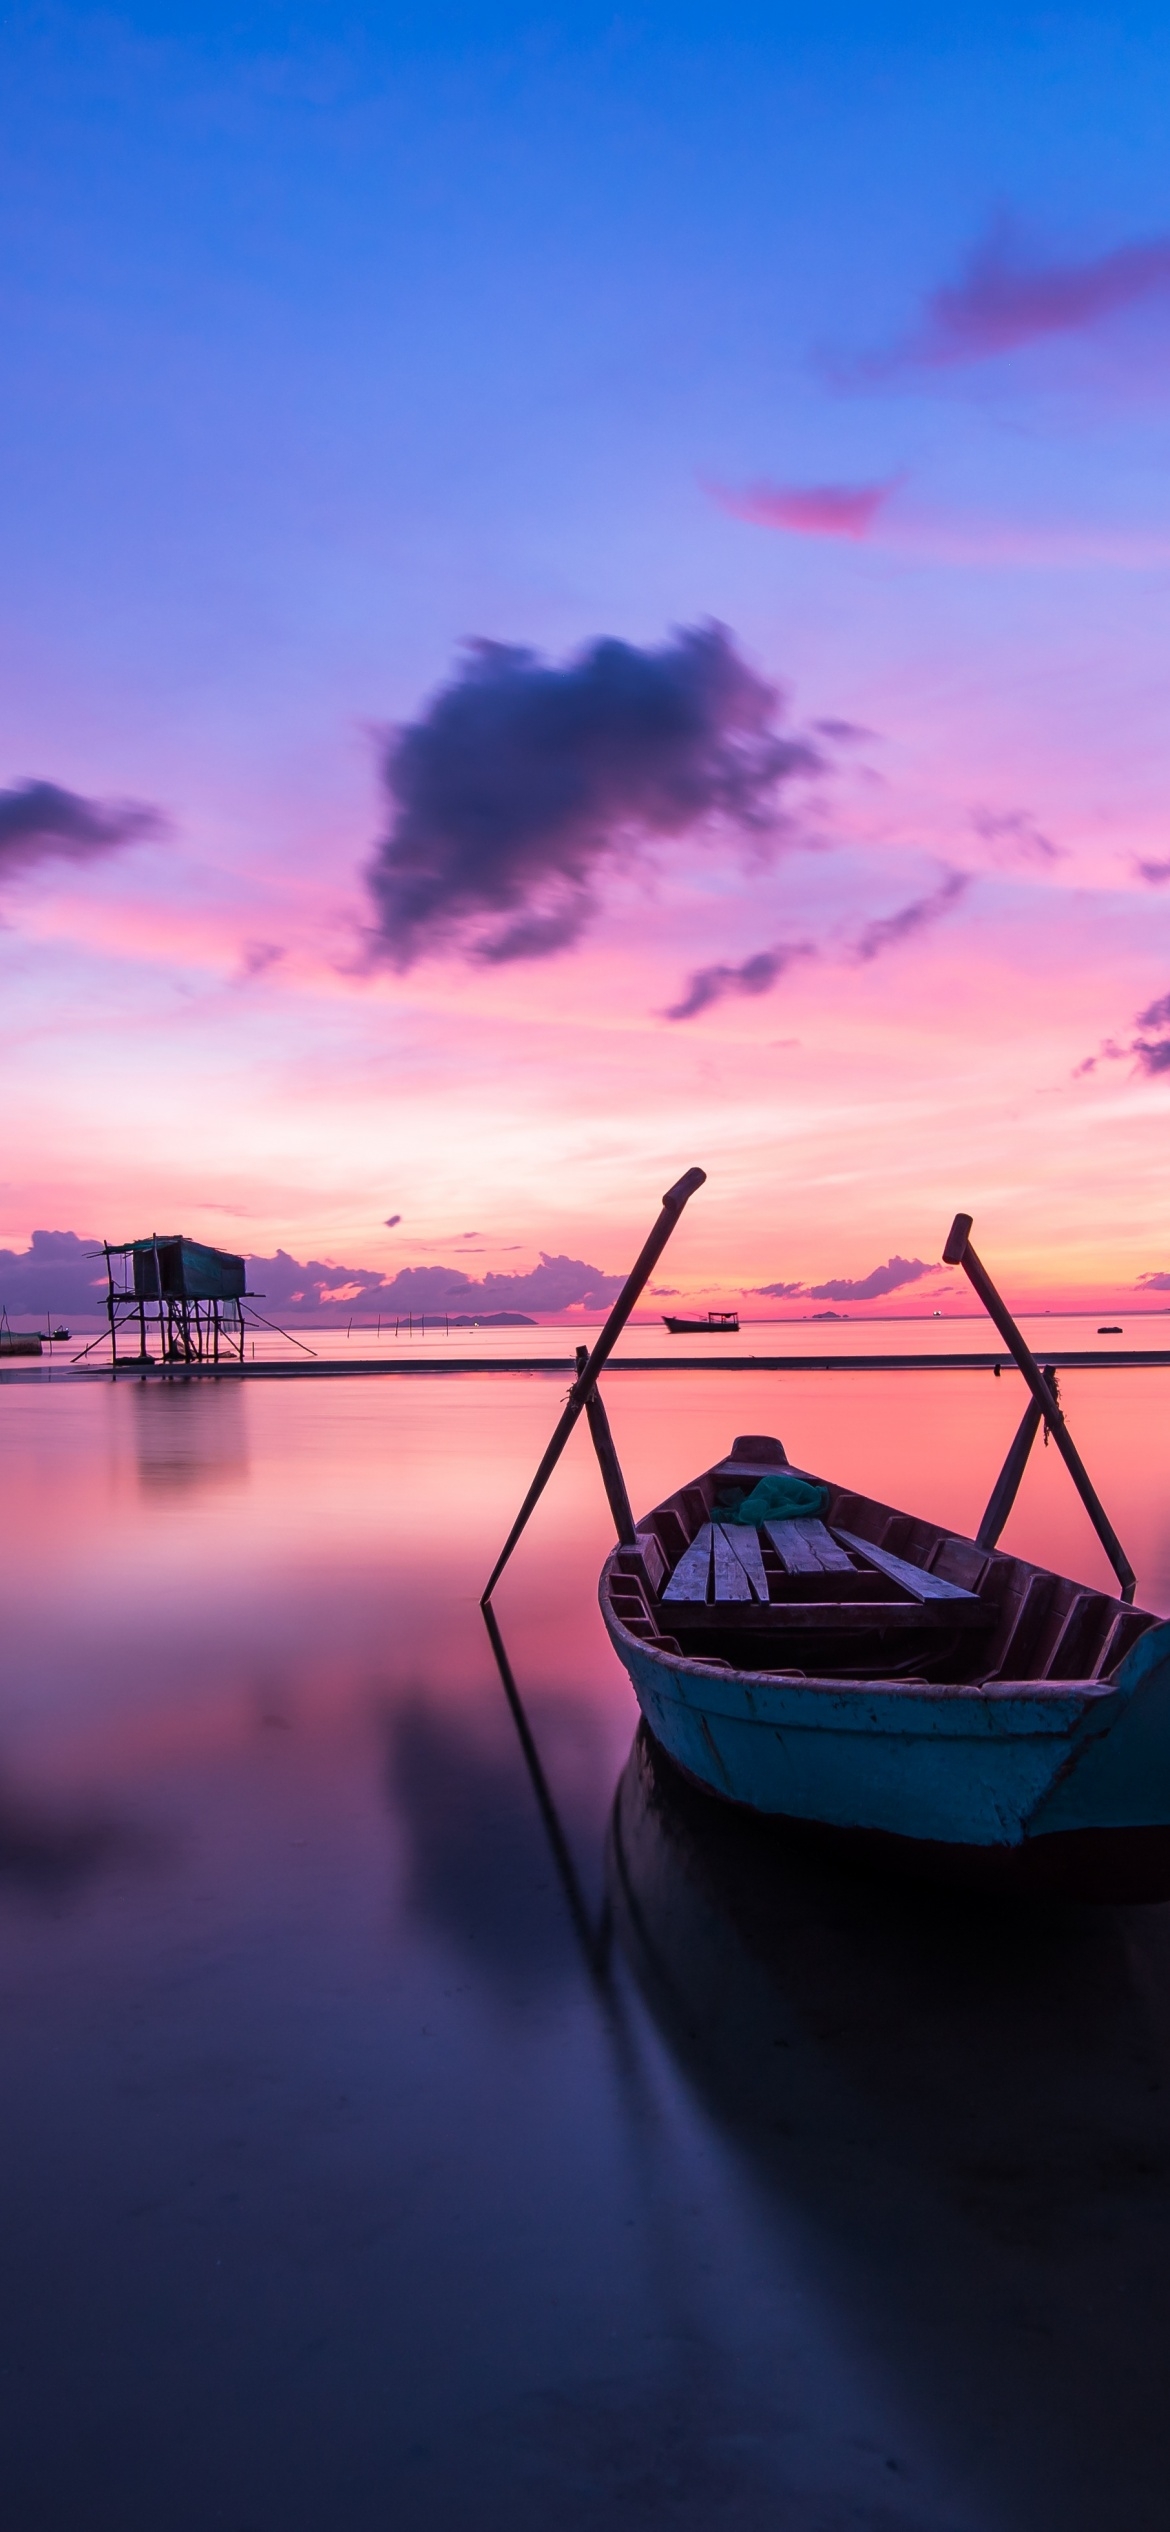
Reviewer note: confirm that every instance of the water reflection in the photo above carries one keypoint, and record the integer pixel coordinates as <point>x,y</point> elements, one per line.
<point>477,1864</point>
<point>969,2107</point>
<point>339,2186</point>
<point>50,1852</point>
<point>593,1936</point>
<point>189,1434</point>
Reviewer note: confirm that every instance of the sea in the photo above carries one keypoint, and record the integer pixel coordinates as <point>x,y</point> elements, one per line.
<point>397,2136</point>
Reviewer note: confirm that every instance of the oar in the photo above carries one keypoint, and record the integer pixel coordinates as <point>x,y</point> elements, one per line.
<point>631,1293</point>
<point>959,1252</point>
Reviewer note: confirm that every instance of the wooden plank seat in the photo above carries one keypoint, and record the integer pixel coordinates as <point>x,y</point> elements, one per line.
<point>739,1565</point>
<point>693,1571</point>
<point>805,1546</point>
<point>913,1577</point>
<point>802,1547</point>
<point>795,1584</point>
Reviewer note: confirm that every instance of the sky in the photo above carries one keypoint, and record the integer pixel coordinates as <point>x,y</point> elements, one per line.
<point>583,592</point>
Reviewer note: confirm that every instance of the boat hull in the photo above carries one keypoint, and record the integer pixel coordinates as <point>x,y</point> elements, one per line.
<point>955,1773</point>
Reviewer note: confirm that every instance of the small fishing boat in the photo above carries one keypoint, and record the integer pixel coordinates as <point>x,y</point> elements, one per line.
<point>716,1323</point>
<point>822,1658</point>
<point>905,1691</point>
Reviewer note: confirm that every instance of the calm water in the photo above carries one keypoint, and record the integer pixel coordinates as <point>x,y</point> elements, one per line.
<point>377,1342</point>
<point>346,2185</point>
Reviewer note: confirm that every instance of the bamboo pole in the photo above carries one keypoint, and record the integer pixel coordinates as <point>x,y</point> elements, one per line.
<point>631,1293</point>
<point>1007,1484</point>
<point>607,1459</point>
<point>959,1252</point>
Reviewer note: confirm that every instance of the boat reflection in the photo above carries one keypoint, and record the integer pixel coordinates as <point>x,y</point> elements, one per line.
<point>969,2108</point>
<point>52,1853</point>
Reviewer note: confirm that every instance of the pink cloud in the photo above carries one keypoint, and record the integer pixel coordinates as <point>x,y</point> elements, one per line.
<point>866,513</point>
<point>841,510</point>
<point>1003,302</point>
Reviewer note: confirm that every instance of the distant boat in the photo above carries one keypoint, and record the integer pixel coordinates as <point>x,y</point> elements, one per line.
<point>1111,1331</point>
<point>58,1336</point>
<point>716,1323</point>
<point>911,1696</point>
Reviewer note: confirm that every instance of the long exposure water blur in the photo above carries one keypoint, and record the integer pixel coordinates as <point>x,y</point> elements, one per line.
<point>366,2161</point>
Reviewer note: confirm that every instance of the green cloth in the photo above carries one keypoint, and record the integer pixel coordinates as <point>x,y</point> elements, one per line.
<point>780,1498</point>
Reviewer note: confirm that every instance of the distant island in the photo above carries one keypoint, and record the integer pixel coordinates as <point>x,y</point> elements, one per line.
<point>828,1314</point>
<point>495,1319</point>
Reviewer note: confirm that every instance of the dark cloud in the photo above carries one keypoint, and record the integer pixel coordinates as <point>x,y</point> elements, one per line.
<point>753,975</point>
<point>1153,1053</point>
<point>558,1283</point>
<point>1155,874</point>
<point>888,1278</point>
<point>1154,1283</point>
<point>521,780</point>
<point>39,820</point>
<point>57,1274</point>
<point>1005,300</point>
<point>891,929</point>
<point>1013,836</point>
<point>392,1221</point>
<point>756,975</point>
<point>320,1289</point>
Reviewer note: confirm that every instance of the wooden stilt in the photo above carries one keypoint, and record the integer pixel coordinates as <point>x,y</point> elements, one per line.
<point>631,1292</point>
<point>959,1252</point>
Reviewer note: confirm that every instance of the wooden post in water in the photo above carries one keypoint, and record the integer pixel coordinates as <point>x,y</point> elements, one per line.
<point>959,1252</point>
<point>631,1293</point>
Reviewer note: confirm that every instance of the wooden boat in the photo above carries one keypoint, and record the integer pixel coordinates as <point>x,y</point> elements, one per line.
<point>716,1323</point>
<point>930,1702</point>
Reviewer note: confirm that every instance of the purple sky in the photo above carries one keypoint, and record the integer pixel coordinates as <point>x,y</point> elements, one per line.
<point>776,401</point>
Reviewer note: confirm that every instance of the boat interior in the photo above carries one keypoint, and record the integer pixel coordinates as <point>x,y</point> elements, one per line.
<point>861,1591</point>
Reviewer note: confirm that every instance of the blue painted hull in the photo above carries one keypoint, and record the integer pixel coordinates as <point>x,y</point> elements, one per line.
<point>985,1766</point>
